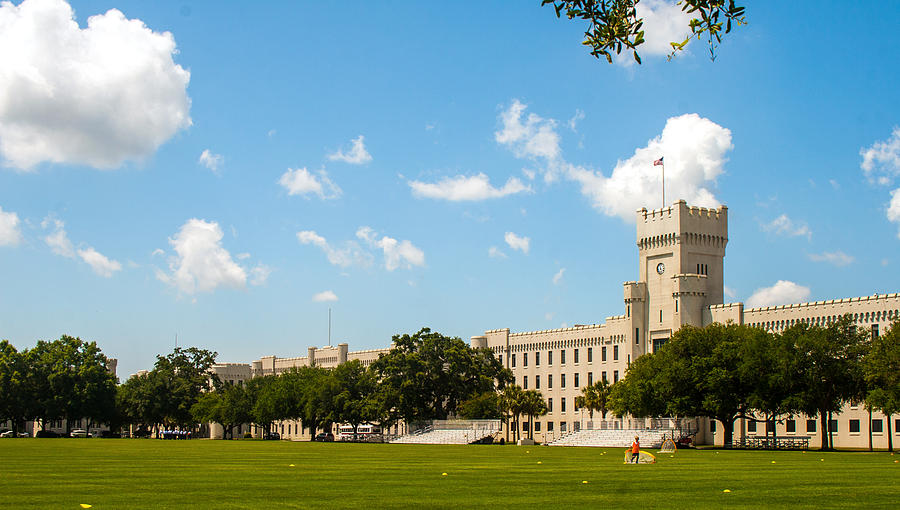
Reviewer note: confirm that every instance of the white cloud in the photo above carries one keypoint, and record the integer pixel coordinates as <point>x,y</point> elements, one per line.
<point>211,161</point>
<point>462,188</point>
<point>893,210</point>
<point>357,155</point>
<point>522,244</point>
<point>694,149</point>
<point>10,235</point>
<point>325,296</point>
<point>834,184</point>
<point>836,258</point>
<point>783,292</point>
<point>259,275</point>
<point>396,253</point>
<point>664,23</point>
<point>573,122</point>
<point>303,182</point>
<point>350,254</point>
<point>58,240</point>
<point>881,161</point>
<point>729,292</point>
<point>495,253</point>
<point>558,276</point>
<point>783,225</point>
<point>98,262</point>
<point>201,263</point>
<point>534,137</point>
<point>97,96</point>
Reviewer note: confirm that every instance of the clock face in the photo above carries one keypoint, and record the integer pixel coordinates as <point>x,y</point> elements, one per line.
<point>660,268</point>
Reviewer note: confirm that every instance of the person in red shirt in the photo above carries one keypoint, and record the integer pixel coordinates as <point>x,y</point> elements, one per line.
<point>635,449</point>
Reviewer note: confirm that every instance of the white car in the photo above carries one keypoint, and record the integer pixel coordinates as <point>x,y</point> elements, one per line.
<point>80,433</point>
<point>8,433</point>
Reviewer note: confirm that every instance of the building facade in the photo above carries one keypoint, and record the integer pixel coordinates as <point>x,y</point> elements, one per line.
<point>681,251</point>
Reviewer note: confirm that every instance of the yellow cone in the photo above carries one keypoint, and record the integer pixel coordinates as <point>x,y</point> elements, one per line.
<point>290,465</point>
<point>773,462</point>
<point>539,462</point>
<point>584,481</point>
<point>443,474</point>
<point>727,490</point>
<point>84,505</point>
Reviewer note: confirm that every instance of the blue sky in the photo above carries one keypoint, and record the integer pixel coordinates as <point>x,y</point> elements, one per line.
<point>228,172</point>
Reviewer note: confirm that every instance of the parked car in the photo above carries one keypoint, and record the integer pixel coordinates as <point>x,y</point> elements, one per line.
<point>324,437</point>
<point>80,433</point>
<point>45,434</point>
<point>7,433</point>
<point>272,436</point>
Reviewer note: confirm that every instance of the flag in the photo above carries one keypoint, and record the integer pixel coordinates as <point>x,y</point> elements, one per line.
<point>658,162</point>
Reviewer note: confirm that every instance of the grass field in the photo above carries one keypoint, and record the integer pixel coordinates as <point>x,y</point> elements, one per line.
<point>124,473</point>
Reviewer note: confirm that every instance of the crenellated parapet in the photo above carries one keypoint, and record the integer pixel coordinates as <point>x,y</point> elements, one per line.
<point>635,292</point>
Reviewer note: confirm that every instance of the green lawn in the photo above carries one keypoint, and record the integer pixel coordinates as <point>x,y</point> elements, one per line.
<point>135,473</point>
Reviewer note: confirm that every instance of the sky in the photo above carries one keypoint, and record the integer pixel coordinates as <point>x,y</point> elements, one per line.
<point>224,173</point>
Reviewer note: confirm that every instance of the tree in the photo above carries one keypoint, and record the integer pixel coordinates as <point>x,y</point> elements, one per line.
<point>532,405</point>
<point>829,369</point>
<point>482,407</point>
<point>228,406</point>
<point>881,368</point>
<point>356,401</point>
<point>640,393</point>
<point>614,25</point>
<point>595,397</point>
<point>137,402</point>
<point>429,374</point>
<point>511,402</point>
<point>179,380</point>
<point>14,395</point>
<point>261,393</point>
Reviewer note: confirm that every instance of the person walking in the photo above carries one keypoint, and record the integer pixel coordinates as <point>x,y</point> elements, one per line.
<point>635,450</point>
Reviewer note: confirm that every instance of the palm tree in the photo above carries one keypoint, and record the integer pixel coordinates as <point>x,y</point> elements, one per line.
<point>511,403</point>
<point>533,404</point>
<point>595,397</point>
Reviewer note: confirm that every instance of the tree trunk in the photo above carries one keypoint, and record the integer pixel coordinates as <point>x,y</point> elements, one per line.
<point>870,429</point>
<point>830,437</point>
<point>824,416</point>
<point>889,434</point>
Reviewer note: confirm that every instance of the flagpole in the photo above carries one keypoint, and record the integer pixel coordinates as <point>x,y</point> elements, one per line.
<point>663,184</point>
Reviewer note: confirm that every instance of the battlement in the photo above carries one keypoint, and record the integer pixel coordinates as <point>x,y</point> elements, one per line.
<point>668,224</point>
<point>873,298</point>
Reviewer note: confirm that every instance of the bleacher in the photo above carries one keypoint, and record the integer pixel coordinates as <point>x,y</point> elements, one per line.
<point>452,432</point>
<point>650,438</point>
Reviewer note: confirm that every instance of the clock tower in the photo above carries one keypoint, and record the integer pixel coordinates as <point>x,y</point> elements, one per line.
<point>681,253</point>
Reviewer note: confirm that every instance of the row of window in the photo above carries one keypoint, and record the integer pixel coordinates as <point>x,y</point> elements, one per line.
<point>790,425</point>
<point>562,380</point>
<point>563,426</point>
<point>562,356</point>
<point>828,319</point>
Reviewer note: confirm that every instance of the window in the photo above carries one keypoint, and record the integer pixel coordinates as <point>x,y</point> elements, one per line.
<point>549,381</point>
<point>524,359</point>
<point>549,357</point>
<point>562,404</point>
<point>832,425</point>
<point>790,426</point>
<point>514,361</point>
<point>562,380</point>
<point>549,410</point>
<point>537,359</point>
<point>854,426</point>
<point>524,426</point>
<point>712,426</point>
<point>751,426</point>
<point>615,376</point>
<point>549,426</point>
<point>575,356</point>
<point>562,357</point>
<point>537,426</point>
<point>562,426</point>
<point>874,330</point>
<point>770,426</point>
<point>637,335</point>
<point>590,354</point>
<point>810,425</point>
<point>603,354</point>
<point>660,315</point>
<point>590,378</point>
<point>537,382</point>
<point>615,353</point>
<point>603,376</point>
<point>524,382</point>
<point>575,405</point>
<point>877,426</point>
<point>576,379</point>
